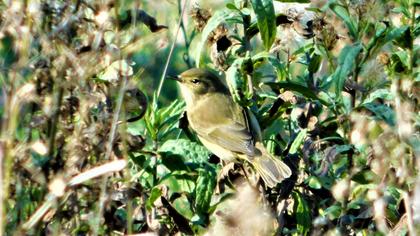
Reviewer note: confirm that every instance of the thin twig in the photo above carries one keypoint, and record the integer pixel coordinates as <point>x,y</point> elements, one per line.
<point>162,79</point>
<point>186,58</point>
<point>407,205</point>
<point>102,196</point>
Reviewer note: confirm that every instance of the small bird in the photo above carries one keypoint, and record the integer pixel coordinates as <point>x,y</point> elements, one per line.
<point>224,127</point>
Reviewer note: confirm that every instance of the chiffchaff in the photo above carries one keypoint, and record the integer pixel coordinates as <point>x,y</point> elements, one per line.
<point>224,127</point>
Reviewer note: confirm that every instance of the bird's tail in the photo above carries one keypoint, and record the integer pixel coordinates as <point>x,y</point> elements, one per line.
<point>271,169</point>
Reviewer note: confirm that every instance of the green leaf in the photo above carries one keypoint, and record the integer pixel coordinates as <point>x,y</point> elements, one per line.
<point>190,151</point>
<point>232,6</point>
<point>400,61</point>
<point>303,213</point>
<point>333,212</point>
<point>154,195</point>
<point>206,183</point>
<point>298,141</point>
<point>218,18</point>
<point>346,63</point>
<point>342,148</point>
<point>139,160</point>
<point>396,33</point>
<point>356,204</point>
<point>314,63</point>
<point>384,94</point>
<point>183,206</point>
<point>314,182</point>
<point>279,66</point>
<point>404,58</point>
<point>179,181</point>
<point>382,112</point>
<point>235,80</point>
<point>344,14</point>
<point>404,39</point>
<point>266,19</point>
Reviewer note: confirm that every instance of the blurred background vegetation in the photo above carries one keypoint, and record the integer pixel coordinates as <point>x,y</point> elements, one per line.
<point>94,141</point>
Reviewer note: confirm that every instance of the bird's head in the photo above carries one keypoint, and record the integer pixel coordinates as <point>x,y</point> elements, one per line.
<point>198,82</point>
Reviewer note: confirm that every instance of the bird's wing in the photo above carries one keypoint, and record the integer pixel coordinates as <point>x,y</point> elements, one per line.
<point>230,131</point>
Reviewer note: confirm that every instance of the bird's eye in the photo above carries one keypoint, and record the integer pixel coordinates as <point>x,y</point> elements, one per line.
<point>195,81</point>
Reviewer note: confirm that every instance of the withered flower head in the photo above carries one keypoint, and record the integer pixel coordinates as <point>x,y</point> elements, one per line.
<point>325,32</point>
<point>200,17</point>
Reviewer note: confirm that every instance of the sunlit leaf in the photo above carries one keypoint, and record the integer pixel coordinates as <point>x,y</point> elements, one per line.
<point>154,195</point>
<point>206,183</point>
<point>344,14</point>
<point>384,94</point>
<point>298,141</point>
<point>266,18</point>
<point>190,151</point>
<point>235,79</point>
<point>314,182</point>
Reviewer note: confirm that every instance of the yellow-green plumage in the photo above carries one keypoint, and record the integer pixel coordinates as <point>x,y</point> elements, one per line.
<point>224,127</point>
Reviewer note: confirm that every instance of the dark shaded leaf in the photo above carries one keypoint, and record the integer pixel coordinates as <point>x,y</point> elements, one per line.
<point>173,161</point>
<point>314,63</point>
<point>364,177</point>
<point>382,112</point>
<point>180,221</point>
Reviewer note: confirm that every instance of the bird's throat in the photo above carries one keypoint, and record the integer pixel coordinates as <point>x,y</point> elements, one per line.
<point>187,95</point>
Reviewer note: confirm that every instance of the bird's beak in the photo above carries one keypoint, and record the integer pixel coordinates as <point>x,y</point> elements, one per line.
<point>176,77</point>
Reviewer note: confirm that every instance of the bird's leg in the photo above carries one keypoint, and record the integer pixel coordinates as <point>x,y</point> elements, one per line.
<point>245,174</point>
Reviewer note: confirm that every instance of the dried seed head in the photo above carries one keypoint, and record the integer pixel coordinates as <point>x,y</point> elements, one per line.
<point>383,58</point>
<point>200,17</point>
<point>325,32</point>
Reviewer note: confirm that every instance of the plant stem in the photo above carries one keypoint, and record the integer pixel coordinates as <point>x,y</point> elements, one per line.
<point>187,58</point>
<point>162,79</point>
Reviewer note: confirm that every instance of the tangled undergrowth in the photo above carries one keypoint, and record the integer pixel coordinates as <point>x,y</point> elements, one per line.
<point>92,143</point>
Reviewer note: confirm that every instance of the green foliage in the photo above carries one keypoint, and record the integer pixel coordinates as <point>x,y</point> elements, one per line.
<point>303,214</point>
<point>346,63</point>
<point>266,19</point>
